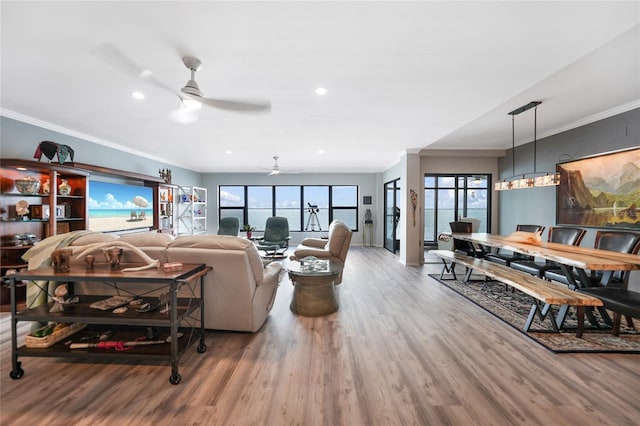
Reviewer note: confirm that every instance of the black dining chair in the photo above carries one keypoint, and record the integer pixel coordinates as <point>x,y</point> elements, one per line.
<point>461,247</point>
<point>563,235</point>
<point>619,241</point>
<point>506,258</point>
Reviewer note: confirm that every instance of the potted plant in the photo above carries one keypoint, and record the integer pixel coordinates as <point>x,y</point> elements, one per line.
<point>248,229</point>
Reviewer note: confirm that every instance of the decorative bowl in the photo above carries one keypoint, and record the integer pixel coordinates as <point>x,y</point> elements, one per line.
<point>27,185</point>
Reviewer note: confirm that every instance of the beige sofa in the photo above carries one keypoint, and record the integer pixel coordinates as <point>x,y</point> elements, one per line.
<point>239,291</point>
<point>334,248</point>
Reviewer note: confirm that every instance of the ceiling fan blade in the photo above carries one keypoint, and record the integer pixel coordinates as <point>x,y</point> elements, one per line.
<point>238,105</point>
<point>121,62</point>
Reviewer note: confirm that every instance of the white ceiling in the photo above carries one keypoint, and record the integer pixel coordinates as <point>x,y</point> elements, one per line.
<point>400,75</point>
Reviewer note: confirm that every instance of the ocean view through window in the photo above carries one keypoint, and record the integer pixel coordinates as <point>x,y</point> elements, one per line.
<point>253,204</point>
<point>449,197</point>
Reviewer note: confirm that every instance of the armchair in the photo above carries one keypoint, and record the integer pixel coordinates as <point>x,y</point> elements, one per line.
<point>335,248</point>
<point>275,240</point>
<point>229,226</point>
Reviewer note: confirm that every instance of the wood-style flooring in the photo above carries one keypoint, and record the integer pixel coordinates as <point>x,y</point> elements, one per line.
<point>401,350</point>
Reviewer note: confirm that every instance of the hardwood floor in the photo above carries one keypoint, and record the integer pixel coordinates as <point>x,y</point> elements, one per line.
<point>401,350</point>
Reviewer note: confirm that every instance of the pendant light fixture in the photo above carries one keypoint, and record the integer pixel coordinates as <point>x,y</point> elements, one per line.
<point>535,178</point>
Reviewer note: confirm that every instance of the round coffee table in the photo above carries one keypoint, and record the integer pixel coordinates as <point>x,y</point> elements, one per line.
<point>313,292</point>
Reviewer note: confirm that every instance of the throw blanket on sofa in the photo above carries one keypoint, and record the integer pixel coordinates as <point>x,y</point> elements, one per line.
<point>40,255</point>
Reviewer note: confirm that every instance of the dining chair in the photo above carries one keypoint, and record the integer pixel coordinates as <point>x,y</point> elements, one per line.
<point>506,258</point>
<point>563,235</point>
<point>619,241</point>
<point>464,247</point>
<point>461,246</point>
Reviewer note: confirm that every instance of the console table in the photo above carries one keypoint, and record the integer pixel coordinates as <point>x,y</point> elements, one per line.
<point>131,324</point>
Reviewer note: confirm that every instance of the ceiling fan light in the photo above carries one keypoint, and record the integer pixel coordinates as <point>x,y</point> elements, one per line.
<point>191,103</point>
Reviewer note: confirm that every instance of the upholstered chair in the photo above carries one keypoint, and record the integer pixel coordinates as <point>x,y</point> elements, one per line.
<point>275,240</point>
<point>561,235</point>
<point>229,226</point>
<point>506,258</point>
<point>334,248</point>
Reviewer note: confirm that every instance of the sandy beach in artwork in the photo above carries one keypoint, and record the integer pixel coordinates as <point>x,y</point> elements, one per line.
<point>115,223</point>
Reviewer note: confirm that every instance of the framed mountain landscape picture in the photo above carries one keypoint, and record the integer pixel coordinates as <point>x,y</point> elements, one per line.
<point>601,191</point>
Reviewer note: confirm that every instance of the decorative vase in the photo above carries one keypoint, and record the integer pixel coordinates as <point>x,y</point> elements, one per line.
<point>248,234</point>
<point>64,188</point>
<point>46,187</point>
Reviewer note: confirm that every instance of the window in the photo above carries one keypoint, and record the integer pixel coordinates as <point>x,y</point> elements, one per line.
<point>259,205</point>
<point>344,202</point>
<point>448,197</point>
<point>288,205</point>
<point>231,202</point>
<point>254,204</point>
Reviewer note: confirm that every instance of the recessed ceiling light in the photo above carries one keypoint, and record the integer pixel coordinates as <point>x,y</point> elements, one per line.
<point>321,151</point>
<point>229,151</point>
<point>321,91</point>
<point>137,95</point>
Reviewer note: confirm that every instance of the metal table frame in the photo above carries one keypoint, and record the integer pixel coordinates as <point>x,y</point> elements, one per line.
<point>179,310</point>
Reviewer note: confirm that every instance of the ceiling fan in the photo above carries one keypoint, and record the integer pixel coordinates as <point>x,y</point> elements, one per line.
<point>275,170</point>
<point>190,95</point>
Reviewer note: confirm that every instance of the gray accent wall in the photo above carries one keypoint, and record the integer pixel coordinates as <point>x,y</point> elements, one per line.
<point>19,140</point>
<point>538,205</point>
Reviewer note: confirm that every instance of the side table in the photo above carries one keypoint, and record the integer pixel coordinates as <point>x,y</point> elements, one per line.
<point>314,292</point>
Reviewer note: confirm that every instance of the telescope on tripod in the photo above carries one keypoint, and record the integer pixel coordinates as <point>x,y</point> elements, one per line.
<point>312,221</point>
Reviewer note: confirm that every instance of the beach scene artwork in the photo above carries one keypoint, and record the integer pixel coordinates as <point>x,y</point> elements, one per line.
<point>119,207</point>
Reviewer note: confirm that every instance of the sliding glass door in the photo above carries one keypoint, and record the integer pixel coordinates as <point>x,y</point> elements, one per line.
<point>391,215</point>
<point>449,197</point>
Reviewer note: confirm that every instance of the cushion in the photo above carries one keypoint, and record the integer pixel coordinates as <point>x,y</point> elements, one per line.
<point>92,238</point>
<point>225,242</point>
<point>147,239</point>
<point>337,235</point>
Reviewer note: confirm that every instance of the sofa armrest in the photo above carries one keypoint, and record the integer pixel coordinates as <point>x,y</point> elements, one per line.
<point>314,242</point>
<point>271,272</point>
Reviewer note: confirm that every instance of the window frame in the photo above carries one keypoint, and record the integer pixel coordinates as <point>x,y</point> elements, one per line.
<point>461,192</point>
<point>299,225</point>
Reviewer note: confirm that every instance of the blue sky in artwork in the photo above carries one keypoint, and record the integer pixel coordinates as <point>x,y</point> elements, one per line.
<point>106,195</point>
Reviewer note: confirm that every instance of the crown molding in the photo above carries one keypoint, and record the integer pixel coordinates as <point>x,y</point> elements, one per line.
<point>65,131</point>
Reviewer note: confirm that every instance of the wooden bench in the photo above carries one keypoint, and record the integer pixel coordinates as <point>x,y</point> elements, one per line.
<point>542,291</point>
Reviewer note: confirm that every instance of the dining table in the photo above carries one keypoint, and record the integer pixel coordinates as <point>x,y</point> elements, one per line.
<point>583,261</point>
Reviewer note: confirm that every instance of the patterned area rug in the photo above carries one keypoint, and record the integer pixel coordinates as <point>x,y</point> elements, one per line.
<point>513,308</point>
